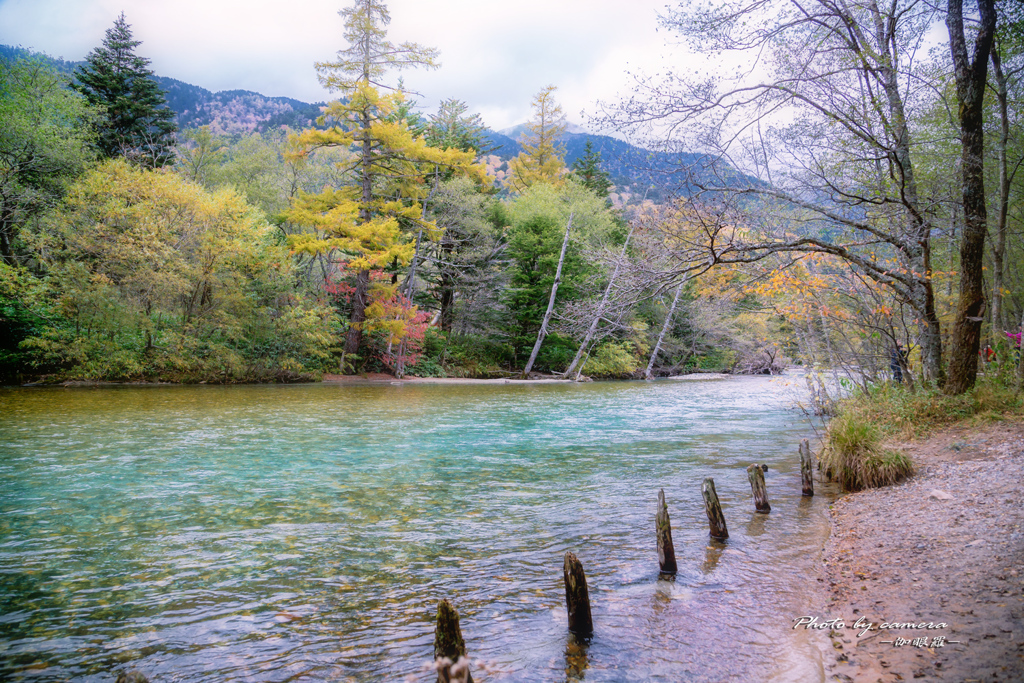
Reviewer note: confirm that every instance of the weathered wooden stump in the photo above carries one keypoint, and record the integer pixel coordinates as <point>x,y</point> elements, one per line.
<point>577,598</point>
<point>666,551</point>
<point>755,474</point>
<point>807,467</point>
<point>714,509</point>
<point>448,642</point>
<point>133,676</point>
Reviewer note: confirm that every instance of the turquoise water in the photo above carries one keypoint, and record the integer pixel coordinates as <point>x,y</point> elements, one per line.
<point>293,533</point>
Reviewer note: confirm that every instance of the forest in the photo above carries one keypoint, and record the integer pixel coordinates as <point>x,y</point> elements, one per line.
<point>854,209</point>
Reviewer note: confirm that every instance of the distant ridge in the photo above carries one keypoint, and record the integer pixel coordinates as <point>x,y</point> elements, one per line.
<point>228,112</point>
<point>635,171</point>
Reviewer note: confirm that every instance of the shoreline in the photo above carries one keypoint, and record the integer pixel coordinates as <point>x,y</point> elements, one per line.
<point>383,378</point>
<point>945,548</point>
<point>371,378</point>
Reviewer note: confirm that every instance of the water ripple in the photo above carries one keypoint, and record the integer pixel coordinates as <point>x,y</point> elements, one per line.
<point>307,532</point>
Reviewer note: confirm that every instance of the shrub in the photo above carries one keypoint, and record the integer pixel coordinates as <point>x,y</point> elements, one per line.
<point>614,360</point>
<point>854,455</point>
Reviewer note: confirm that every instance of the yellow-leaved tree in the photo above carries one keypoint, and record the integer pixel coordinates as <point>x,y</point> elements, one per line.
<point>543,157</point>
<point>149,275</point>
<point>367,221</point>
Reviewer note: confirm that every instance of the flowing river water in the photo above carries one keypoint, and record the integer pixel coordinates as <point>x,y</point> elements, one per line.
<point>306,533</point>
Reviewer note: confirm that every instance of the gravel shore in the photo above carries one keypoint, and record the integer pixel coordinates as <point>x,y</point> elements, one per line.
<point>945,548</point>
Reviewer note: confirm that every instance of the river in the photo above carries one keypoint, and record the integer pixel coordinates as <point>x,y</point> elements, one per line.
<point>307,532</point>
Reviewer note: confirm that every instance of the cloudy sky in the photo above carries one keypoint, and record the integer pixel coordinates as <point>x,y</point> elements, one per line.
<point>494,55</point>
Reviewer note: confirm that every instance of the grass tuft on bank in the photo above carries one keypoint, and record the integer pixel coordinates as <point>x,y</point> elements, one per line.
<point>857,453</point>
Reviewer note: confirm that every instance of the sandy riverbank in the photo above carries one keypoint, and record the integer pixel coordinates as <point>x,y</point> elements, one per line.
<point>383,378</point>
<point>535,378</point>
<point>945,547</point>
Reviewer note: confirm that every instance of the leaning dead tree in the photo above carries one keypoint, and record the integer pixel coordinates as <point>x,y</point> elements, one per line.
<point>543,331</point>
<point>600,308</point>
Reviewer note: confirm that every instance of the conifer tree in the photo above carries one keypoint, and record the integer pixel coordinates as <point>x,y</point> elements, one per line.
<point>588,169</point>
<point>363,221</point>
<point>543,156</point>
<point>453,126</point>
<point>137,124</point>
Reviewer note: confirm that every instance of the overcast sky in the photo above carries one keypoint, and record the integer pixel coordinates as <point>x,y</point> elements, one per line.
<point>494,55</point>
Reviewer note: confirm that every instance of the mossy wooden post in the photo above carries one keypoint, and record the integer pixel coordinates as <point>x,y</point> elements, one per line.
<point>448,640</point>
<point>714,509</point>
<point>666,551</point>
<point>133,676</point>
<point>577,598</point>
<point>807,467</point>
<point>755,474</point>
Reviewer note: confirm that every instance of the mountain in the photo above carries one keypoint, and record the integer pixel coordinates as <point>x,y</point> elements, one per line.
<point>228,112</point>
<point>635,171</point>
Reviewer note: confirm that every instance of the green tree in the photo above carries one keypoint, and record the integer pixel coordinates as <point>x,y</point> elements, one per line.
<point>538,219</point>
<point>453,126</point>
<point>200,152</point>
<point>543,157</point>
<point>971,72</point>
<point>466,262</point>
<point>137,124</point>
<point>363,219</point>
<point>588,169</point>
<point>45,136</point>
<point>150,275</point>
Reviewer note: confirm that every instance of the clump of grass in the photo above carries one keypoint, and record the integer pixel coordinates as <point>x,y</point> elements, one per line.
<point>855,457</point>
<point>854,454</point>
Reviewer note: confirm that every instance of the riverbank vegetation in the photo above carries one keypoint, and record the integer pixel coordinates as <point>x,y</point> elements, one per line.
<point>819,224</point>
<point>861,446</point>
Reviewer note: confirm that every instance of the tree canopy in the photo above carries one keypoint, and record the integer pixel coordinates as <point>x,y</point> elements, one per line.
<point>543,155</point>
<point>136,122</point>
<point>46,141</point>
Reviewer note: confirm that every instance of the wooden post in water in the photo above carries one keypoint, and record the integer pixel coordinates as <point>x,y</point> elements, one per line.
<point>666,551</point>
<point>807,467</point>
<point>448,642</point>
<point>711,505</point>
<point>577,598</point>
<point>133,676</point>
<point>755,474</point>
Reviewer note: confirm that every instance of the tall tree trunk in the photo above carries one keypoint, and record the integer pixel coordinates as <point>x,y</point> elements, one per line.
<point>648,374</point>
<point>916,247</point>
<point>7,230</point>
<point>999,239</point>
<point>446,299</point>
<point>359,299</point>
<point>931,335</point>
<point>971,74</point>
<point>1020,361</point>
<point>600,308</point>
<point>543,331</point>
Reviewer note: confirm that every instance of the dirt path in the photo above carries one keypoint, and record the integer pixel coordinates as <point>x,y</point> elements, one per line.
<point>946,548</point>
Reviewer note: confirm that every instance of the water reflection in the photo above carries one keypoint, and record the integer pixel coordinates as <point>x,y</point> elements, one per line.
<point>712,554</point>
<point>305,533</point>
<point>576,661</point>
<point>758,522</point>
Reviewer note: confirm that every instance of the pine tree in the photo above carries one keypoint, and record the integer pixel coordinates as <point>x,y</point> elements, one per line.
<point>543,156</point>
<point>363,221</point>
<point>588,169</point>
<point>137,124</point>
<point>453,127</point>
